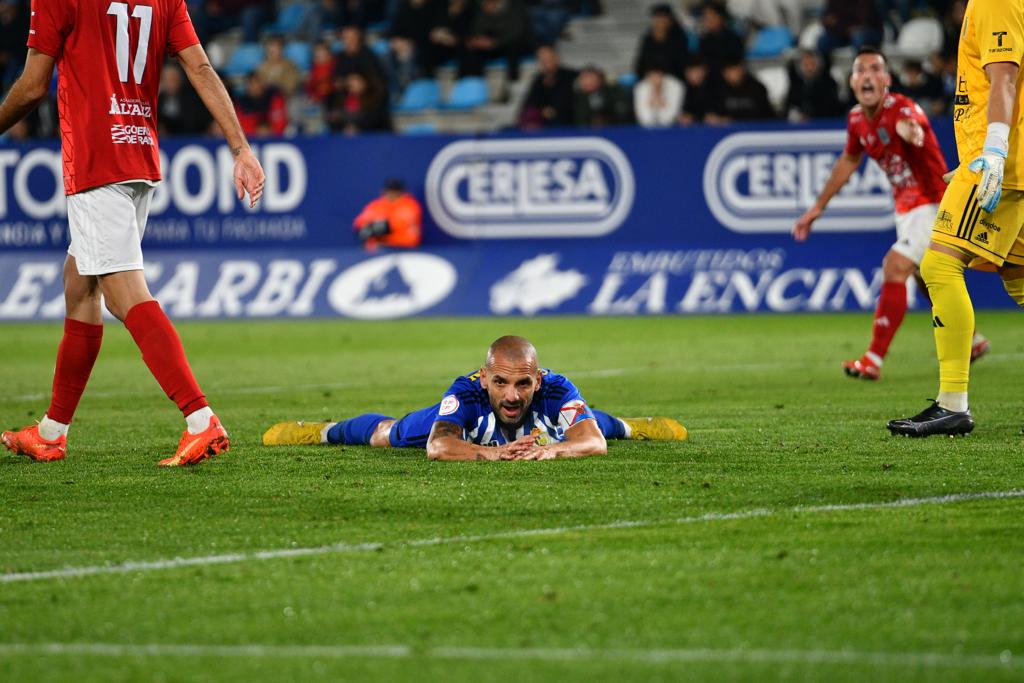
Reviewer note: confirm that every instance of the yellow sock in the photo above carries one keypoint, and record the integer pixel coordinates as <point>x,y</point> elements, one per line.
<point>952,319</point>
<point>1015,288</point>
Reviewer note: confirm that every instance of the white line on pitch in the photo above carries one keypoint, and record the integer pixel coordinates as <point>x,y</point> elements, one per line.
<point>653,656</point>
<point>343,548</point>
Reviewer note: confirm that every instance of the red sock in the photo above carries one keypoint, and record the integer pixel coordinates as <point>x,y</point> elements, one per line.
<point>892,306</point>
<point>164,355</point>
<point>75,357</point>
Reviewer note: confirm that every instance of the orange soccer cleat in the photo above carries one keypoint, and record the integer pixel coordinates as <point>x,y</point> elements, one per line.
<point>195,448</point>
<point>28,441</point>
<point>863,367</point>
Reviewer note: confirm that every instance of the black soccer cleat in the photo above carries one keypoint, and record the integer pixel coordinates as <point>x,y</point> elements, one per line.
<point>934,420</point>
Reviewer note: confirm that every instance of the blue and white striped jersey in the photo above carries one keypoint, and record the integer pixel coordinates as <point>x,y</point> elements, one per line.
<point>557,405</point>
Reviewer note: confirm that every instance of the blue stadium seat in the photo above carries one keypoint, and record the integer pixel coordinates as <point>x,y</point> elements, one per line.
<point>467,93</point>
<point>290,18</point>
<point>771,41</point>
<point>380,47</point>
<point>300,52</point>
<point>244,59</point>
<point>421,95</point>
<point>627,80</point>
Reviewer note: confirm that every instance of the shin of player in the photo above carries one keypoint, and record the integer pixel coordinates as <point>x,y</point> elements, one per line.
<point>984,205</point>
<point>109,175</point>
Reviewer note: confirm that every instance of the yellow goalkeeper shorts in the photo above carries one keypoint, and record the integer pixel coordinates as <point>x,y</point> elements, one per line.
<point>994,238</point>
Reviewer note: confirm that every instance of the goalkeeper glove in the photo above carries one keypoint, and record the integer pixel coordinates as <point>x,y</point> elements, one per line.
<point>991,164</point>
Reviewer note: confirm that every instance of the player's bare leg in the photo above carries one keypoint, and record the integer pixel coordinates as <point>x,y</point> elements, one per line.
<point>76,355</point>
<point>889,314</point>
<point>129,300</point>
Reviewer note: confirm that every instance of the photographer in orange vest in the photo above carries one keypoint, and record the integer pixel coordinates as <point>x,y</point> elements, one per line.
<point>394,219</point>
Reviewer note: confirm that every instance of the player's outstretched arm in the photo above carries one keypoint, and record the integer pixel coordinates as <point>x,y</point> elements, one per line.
<point>28,91</point>
<point>844,167</point>
<point>446,443</point>
<point>911,131</point>
<point>582,439</point>
<point>1002,95</point>
<point>249,176</point>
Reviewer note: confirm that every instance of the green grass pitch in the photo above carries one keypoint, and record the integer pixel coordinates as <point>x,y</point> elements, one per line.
<point>929,591</point>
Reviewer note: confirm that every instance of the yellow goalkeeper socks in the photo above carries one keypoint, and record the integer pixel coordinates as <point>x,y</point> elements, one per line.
<point>953,323</point>
<point>1015,288</point>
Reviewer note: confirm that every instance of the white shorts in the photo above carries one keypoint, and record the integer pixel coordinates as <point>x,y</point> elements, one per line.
<point>914,231</point>
<point>106,225</point>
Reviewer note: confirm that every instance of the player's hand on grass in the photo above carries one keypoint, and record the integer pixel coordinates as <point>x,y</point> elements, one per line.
<point>518,448</point>
<point>249,177</point>
<point>802,228</point>
<point>991,164</point>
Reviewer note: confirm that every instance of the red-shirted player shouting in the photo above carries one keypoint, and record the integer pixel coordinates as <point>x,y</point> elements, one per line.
<point>109,56</point>
<point>893,130</point>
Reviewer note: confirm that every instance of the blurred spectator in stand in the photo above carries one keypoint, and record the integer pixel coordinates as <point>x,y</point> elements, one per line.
<point>355,56</point>
<point>945,70</point>
<point>813,93</point>
<point>501,30</point>
<point>179,110</point>
<point>658,99</point>
<point>548,19</point>
<point>14,21</point>
<point>549,102</point>
<point>395,219</point>
<point>850,22</point>
<point>261,111</point>
<point>359,104</point>
<point>320,83</point>
<point>452,22</point>
<point>19,132</point>
<point>213,17</point>
<point>922,87</point>
<point>698,93</point>
<point>719,44</point>
<point>665,44</point>
<point>277,71</point>
<point>408,38</point>
<point>739,97</point>
<point>599,103</point>
<point>952,24</point>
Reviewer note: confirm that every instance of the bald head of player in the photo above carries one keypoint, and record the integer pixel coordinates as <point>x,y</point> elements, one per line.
<point>511,377</point>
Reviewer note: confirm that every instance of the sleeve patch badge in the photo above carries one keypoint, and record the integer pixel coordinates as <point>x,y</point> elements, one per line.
<point>571,412</point>
<point>449,404</point>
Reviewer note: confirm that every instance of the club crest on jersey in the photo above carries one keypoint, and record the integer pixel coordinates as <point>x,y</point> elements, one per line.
<point>572,412</point>
<point>449,404</point>
<point>129,107</point>
<point>883,135</point>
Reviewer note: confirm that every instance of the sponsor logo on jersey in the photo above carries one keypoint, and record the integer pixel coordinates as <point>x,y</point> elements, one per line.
<point>537,284</point>
<point>392,286</point>
<point>550,187</point>
<point>990,225</point>
<point>130,135</point>
<point>981,238</point>
<point>129,107</point>
<point>944,220</point>
<point>761,182</point>
<point>449,404</point>
<point>883,135</point>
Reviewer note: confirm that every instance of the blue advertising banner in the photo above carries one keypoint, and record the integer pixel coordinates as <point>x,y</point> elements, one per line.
<point>630,221</point>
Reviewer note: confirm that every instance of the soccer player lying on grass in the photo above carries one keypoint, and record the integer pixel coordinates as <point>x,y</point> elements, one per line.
<point>511,409</point>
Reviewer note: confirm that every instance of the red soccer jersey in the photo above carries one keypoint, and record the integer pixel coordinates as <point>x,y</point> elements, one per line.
<point>915,173</point>
<point>109,57</point>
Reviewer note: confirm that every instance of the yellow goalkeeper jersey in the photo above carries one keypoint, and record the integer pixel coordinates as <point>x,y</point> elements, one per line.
<point>993,31</point>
